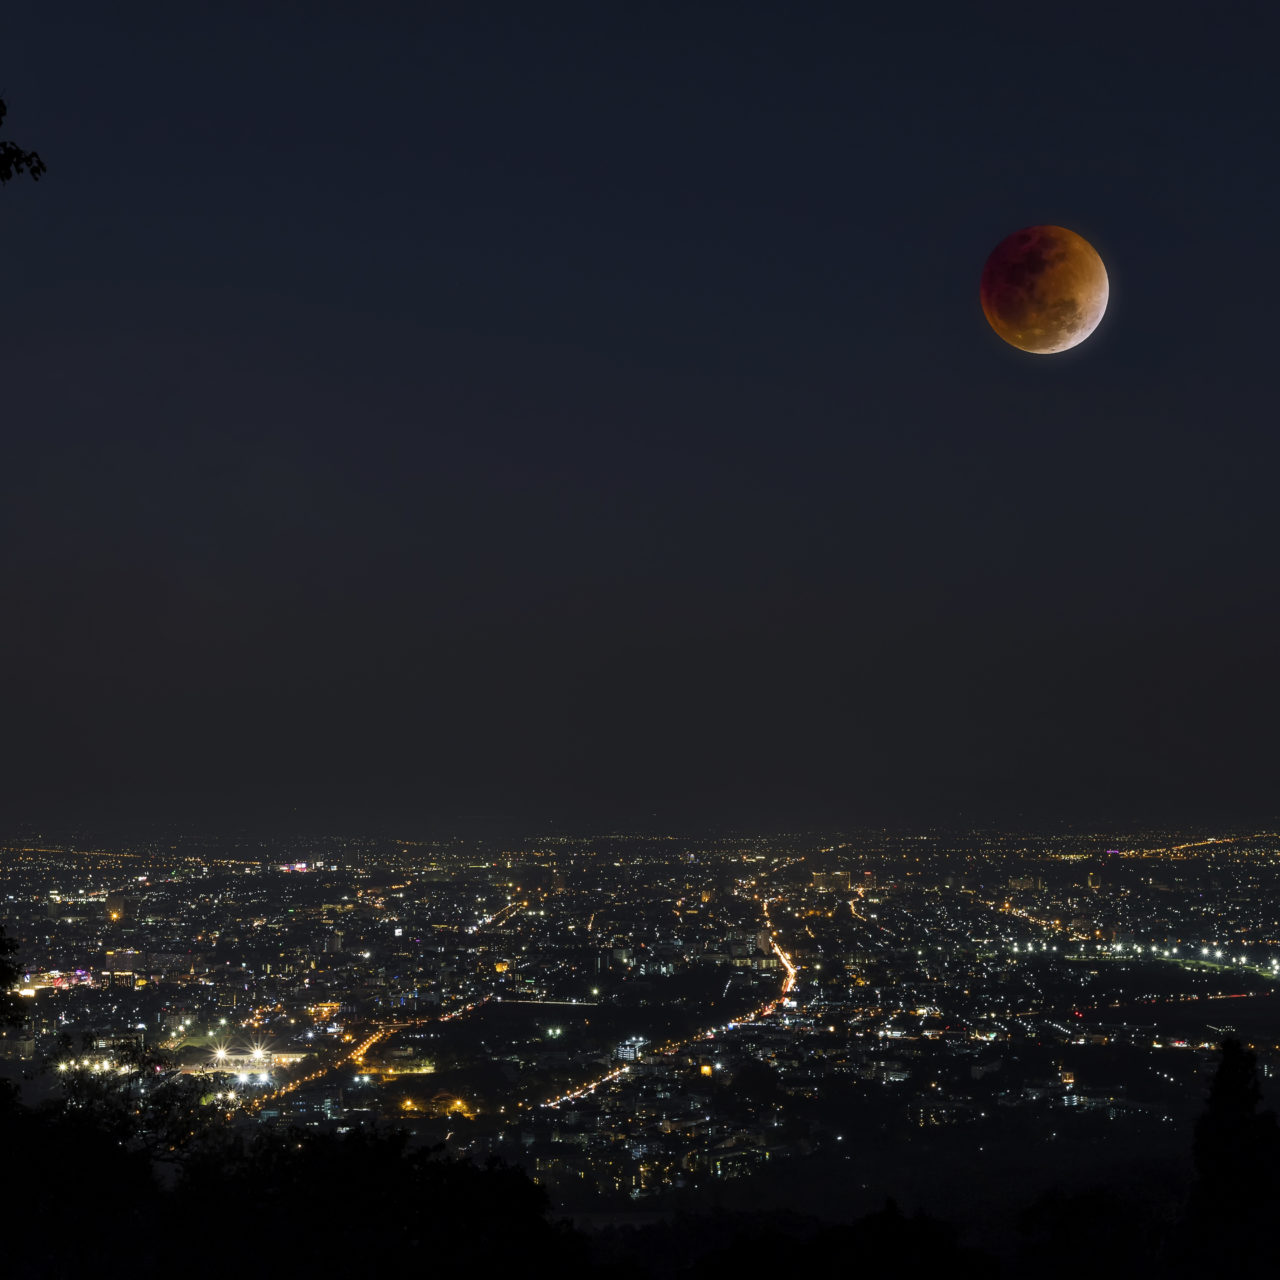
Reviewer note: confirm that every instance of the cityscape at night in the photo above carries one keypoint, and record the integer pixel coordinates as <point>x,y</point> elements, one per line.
<point>638,640</point>
<point>638,1020</point>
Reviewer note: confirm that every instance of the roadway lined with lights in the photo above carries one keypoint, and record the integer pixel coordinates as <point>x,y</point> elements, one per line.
<point>496,920</point>
<point>671,1046</point>
<point>355,1055</point>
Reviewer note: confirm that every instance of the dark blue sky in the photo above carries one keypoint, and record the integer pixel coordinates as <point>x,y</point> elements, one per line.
<point>587,412</point>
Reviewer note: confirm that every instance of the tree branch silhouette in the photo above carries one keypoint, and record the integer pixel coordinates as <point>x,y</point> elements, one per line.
<point>14,160</point>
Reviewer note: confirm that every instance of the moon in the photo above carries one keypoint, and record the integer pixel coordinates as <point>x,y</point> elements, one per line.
<point>1044,289</point>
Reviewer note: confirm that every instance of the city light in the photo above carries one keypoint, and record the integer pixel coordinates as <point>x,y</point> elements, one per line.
<point>744,959</point>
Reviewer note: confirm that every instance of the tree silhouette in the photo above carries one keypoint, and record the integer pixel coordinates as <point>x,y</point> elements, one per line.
<point>1236,1145</point>
<point>14,160</point>
<point>1237,1161</point>
<point>1099,1222</point>
<point>371,1203</point>
<point>293,1202</point>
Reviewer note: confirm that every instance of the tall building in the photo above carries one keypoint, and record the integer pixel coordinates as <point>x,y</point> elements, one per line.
<point>121,968</point>
<point>832,881</point>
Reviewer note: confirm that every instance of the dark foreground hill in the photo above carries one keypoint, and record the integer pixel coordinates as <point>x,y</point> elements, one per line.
<point>85,1197</point>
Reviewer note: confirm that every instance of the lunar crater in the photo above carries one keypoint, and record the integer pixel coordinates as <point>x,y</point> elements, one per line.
<point>1044,289</point>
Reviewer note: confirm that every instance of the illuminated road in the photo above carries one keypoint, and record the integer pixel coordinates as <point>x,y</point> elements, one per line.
<point>355,1055</point>
<point>857,915</point>
<point>499,918</point>
<point>787,965</point>
<point>459,1012</point>
<point>671,1046</point>
<point>591,1087</point>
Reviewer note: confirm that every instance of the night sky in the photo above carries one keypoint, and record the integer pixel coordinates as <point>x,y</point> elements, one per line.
<point>586,413</point>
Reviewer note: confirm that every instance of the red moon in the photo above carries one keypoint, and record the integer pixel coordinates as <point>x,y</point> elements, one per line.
<point>1044,289</point>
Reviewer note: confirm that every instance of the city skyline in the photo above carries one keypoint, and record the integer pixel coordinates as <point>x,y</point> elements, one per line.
<point>662,1023</point>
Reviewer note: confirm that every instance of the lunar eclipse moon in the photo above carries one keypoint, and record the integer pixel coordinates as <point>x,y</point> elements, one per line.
<point>1044,289</point>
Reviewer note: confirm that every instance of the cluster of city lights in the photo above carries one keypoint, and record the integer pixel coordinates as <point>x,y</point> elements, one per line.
<point>671,1046</point>
<point>97,1067</point>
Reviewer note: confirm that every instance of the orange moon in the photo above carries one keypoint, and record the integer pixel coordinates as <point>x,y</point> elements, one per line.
<point>1044,289</point>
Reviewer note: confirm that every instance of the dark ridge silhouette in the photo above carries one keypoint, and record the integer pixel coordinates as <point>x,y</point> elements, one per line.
<point>52,1148</point>
<point>1059,1229</point>
<point>365,1200</point>
<point>300,1202</point>
<point>727,1246</point>
<point>14,160</point>
<point>294,1203</point>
